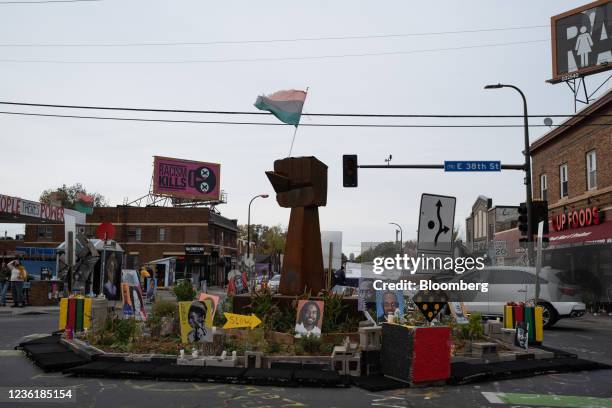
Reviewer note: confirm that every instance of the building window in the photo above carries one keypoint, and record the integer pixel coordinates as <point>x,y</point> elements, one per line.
<point>543,188</point>
<point>162,234</point>
<point>45,233</point>
<point>591,166</point>
<point>563,180</point>
<point>132,261</point>
<point>134,234</point>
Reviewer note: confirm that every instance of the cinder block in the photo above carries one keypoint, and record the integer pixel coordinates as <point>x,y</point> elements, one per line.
<point>190,361</point>
<point>542,354</point>
<point>353,365</point>
<point>483,348</point>
<point>508,335</point>
<point>494,327</point>
<point>253,359</point>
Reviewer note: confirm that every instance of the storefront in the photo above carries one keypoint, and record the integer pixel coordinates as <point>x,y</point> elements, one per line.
<point>584,254</point>
<point>571,171</point>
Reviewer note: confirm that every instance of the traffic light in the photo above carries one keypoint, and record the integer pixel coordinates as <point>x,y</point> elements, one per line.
<point>523,225</point>
<point>349,170</point>
<point>540,213</point>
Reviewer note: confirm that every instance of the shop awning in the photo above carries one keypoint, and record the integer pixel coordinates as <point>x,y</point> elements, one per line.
<point>595,234</point>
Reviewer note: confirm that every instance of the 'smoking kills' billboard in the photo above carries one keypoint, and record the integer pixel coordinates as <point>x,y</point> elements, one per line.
<point>581,41</point>
<point>186,178</point>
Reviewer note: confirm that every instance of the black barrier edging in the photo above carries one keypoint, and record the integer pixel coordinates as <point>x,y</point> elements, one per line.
<point>51,355</point>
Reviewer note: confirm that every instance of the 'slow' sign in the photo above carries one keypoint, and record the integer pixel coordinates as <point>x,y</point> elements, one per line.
<point>472,166</point>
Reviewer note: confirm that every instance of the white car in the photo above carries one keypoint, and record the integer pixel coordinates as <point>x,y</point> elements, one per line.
<point>274,283</point>
<point>559,298</point>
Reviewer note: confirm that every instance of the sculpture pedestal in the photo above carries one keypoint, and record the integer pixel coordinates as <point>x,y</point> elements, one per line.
<point>303,261</point>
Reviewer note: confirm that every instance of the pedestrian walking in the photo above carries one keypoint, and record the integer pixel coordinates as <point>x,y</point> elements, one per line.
<point>17,278</point>
<point>5,275</point>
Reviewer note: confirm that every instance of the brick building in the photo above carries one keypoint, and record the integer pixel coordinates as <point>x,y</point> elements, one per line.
<point>571,170</point>
<point>204,243</point>
<point>484,222</point>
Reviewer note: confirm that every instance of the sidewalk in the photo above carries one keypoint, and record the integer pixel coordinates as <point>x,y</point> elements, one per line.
<point>28,310</point>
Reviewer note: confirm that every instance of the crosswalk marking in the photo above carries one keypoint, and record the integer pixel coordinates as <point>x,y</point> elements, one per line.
<point>546,400</point>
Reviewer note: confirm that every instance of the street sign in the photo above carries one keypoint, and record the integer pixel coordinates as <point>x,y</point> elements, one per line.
<point>436,220</point>
<point>501,248</point>
<point>472,165</point>
<point>235,321</point>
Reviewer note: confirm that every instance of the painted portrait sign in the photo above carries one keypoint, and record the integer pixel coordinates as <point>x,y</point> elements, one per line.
<point>196,321</point>
<point>151,289</point>
<point>133,303</point>
<point>581,41</point>
<point>112,275</point>
<point>309,318</point>
<point>366,293</point>
<point>387,301</point>
<point>213,298</point>
<point>186,178</point>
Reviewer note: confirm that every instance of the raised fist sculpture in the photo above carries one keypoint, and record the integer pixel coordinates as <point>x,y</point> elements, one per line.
<point>301,184</point>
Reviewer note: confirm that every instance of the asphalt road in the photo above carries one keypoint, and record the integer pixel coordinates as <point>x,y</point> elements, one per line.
<point>590,338</point>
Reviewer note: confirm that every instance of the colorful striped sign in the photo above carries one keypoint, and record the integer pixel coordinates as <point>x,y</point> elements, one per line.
<point>76,313</point>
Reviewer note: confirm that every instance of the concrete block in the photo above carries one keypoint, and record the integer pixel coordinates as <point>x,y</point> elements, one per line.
<point>483,349</point>
<point>508,335</point>
<point>253,359</point>
<point>494,327</point>
<point>190,361</point>
<point>543,354</point>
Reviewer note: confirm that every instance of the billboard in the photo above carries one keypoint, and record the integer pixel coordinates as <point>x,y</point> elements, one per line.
<point>17,209</point>
<point>186,179</point>
<point>581,42</point>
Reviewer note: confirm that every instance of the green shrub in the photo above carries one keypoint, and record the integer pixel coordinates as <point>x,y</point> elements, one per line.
<point>164,308</point>
<point>262,306</point>
<point>184,291</point>
<point>125,330</point>
<point>310,344</point>
<point>118,332</point>
<point>272,348</point>
<point>471,330</point>
<point>334,308</point>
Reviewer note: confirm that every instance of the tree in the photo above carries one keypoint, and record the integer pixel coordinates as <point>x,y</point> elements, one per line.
<point>268,240</point>
<point>67,196</point>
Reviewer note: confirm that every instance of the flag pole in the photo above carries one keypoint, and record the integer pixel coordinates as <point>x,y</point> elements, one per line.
<point>296,126</point>
<point>293,140</point>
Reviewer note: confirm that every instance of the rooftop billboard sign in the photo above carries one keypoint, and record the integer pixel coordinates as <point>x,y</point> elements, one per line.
<point>186,179</point>
<point>581,41</point>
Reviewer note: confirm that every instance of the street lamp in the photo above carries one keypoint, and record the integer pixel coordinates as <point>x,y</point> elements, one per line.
<point>527,154</point>
<point>401,236</point>
<point>249,227</point>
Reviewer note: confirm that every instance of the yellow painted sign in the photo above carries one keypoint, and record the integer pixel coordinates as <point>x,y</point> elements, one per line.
<point>235,321</point>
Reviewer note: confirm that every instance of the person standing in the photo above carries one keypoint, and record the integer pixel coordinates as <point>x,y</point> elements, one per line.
<point>5,274</point>
<point>16,283</point>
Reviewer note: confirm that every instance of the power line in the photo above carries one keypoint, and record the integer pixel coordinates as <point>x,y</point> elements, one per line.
<point>273,59</point>
<point>45,1</point>
<point>356,115</point>
<point>280,124</point>
<point>266,41</point>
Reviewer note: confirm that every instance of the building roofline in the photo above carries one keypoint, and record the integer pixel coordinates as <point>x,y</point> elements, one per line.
<point>569,124</point>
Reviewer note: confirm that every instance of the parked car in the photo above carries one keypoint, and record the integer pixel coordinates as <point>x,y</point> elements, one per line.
<point>274,283</point>
<point>344,290</point>
<point>559,298</point>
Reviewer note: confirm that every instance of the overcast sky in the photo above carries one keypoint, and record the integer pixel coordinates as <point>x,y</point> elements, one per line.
<point>115,158</point>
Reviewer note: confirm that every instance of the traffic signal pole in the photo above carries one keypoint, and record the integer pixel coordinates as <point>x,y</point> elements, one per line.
<point>429,166</point>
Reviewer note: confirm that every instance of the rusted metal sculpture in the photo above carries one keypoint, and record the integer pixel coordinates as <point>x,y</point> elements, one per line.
<point>301,184</point>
